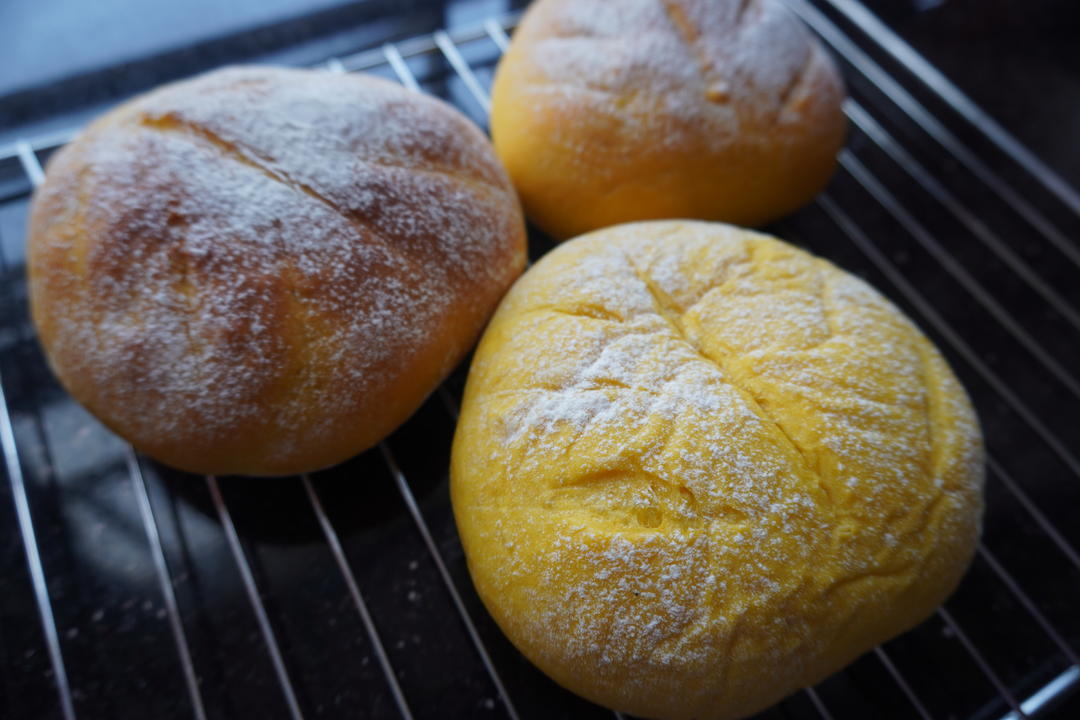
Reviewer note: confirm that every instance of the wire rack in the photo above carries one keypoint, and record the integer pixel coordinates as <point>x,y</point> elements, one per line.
<point>131,590</point>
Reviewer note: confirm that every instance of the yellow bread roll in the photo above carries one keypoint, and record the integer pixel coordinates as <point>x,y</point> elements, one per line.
<point>697,469</point>
<point>264,271</point>
<point>606,112</point>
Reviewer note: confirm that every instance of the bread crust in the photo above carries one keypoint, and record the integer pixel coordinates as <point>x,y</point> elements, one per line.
<point>264,271</point>
<point>697,469</point>
<point>608,112</point>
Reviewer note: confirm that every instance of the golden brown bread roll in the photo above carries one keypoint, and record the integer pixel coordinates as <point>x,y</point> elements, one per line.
<point>606,112</point>
<point>264,271</point>
<point>697,469</point>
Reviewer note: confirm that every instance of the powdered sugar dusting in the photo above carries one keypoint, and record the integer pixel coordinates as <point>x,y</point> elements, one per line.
<point>704,68</point>
<point>698,444</point>
<point>264,251</point>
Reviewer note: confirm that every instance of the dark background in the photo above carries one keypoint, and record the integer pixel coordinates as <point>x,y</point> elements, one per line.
<point>63,60</point>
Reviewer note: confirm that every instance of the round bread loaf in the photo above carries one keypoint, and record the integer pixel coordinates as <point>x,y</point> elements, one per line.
<point>265,271</point>
<point>697,469</point>
<point>607,112</point>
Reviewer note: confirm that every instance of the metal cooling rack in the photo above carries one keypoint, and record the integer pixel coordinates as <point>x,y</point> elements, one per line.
<point>131,590</point>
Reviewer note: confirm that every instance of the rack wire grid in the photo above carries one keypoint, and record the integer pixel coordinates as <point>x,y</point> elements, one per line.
<point>130,590</point>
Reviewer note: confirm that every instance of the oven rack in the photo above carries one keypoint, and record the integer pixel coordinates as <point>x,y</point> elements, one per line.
<point>935,203</point>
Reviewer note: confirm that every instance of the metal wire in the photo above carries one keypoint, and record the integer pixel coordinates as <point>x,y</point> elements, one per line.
<point>436,556</point>
<point>860,240</point>
<point>161,567</point>
<point>363,60</point>
<point>450,51</point>
<point>964,277</point>
<point>32,168</point>
<point>865,122</point>
<point>936,81</point>
<point>882,655</point>
<point>35,173</point>
<point>902,683</point>
<point>981,661</point>
<point>818,704</point>
<point>1028,604</point>
<point>1049,694</point>
<point>930,314</point>
<point>358,599</point>
<point>397,64</point>
<point>254,598</point>
<point>1041,520</point>
<point>395,56</point>
<point>30,163</point>
<point>866,179</point>
<point>498,35</point>
<point>33,557</point>
<point>932,126</point>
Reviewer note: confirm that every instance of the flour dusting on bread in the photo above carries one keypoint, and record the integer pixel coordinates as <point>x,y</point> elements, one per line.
<point>267,252</point>
<point>691,449</point>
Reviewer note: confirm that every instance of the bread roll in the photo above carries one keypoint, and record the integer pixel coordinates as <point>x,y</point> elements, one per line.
<point>697,469</point>
<point>606,112</point>
<point>264,271</point>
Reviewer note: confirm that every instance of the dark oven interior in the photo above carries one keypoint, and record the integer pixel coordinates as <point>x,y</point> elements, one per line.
<point>130,590</point>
